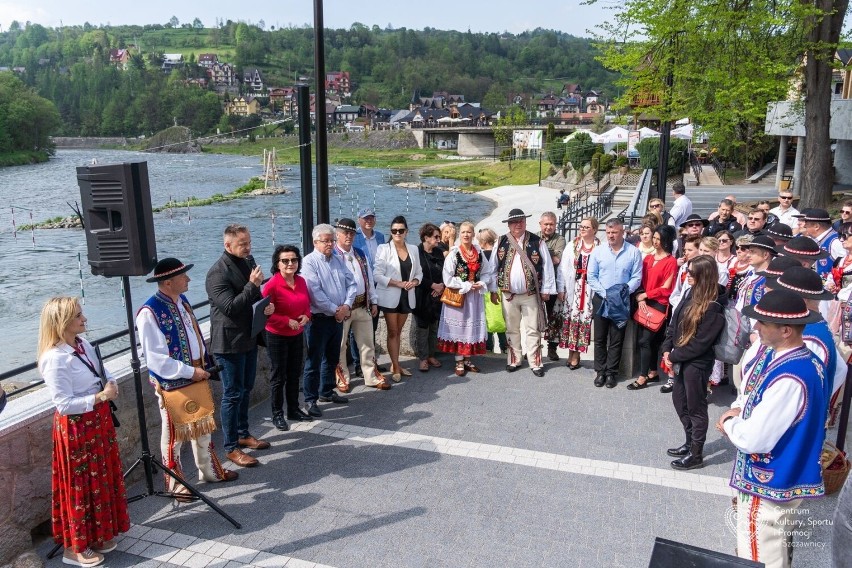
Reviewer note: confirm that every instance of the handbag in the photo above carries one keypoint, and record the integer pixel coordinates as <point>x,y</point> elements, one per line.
<point>190,409</point>
<point>452,297</point>
<point>649,317</point>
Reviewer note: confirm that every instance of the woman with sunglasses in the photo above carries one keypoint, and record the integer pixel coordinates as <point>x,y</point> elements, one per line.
<point>740,268</point>
<point>657,206</point>
<point>397,272</point>
<point>688,356</point>
<point>448,237</point>
<point>462,331</point>
<point>427,312</point>
<point>288,292</point>
<point>575,294</point>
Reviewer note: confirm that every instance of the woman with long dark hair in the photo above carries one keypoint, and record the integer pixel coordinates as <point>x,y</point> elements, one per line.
<point>658,274</point>
<point>285,339</point>
<point>688,354</point>
<point>89,504</point>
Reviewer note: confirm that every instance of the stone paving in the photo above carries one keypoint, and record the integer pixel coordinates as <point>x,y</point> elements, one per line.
<point>492,469</point>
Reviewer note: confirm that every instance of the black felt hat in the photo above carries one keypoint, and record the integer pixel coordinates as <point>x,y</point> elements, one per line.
<point>804,282</point>
<point>782,306</point>
<point>763,242</point>
<point>814,214</point>
<point>803,248</point>
<point>779,231</point>
<point>345,224</point>
<point>515,214</point>
<point>168,268</point>
<point>694,217</point>
<point>778,265</point>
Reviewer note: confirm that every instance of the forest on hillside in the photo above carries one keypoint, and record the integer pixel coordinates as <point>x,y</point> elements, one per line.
<point>70,66</point>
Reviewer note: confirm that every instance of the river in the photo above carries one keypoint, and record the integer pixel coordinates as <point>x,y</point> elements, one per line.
<point>31,273</point>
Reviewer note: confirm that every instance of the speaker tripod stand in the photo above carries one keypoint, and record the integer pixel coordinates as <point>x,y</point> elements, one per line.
<point>148,462</point>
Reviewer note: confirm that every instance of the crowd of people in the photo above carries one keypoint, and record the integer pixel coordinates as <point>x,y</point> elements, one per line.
<point>675,276</point>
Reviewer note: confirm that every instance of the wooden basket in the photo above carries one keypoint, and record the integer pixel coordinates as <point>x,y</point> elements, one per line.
<point>833,476</point>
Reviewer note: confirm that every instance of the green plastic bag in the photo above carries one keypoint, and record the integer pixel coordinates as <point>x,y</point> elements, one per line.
<point>494,315</point>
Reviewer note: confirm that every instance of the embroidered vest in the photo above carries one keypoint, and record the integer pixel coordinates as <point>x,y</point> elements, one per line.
<point>823,266</point>
<point>753,290</point>
<point>171,324</point>
<point>791,470</point>
<point>505,258</point>
<point>362,264</point>
<point>820,334</point>
<point>463,269</point>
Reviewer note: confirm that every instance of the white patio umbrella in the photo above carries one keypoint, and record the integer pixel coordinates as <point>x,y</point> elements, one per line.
<point>646,132</point>
<point>614,136</point>
<point>683,132</point>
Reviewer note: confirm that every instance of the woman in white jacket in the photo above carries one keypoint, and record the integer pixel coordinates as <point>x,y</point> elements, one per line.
<point>462,330</point>
<point>397,272</point>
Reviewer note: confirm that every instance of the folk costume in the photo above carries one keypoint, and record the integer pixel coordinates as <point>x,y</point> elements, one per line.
<point>462,330</point>
<point>524,272</point>
<point>174,347</point>
<point>556,247</point>
<point>360,321</point>
<point>89,503</point>
<point>778,435</point>
<point>576,331</point>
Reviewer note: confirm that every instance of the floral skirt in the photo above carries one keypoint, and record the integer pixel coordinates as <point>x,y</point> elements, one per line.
<point>89,505</point>
<point>462,330</point>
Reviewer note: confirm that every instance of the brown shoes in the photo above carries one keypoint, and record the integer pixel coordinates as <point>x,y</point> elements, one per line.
<point>241,458</point>
<point>341,380</point>
<point>381,385</point>
<point>253,443</point>
<point>229,475</point>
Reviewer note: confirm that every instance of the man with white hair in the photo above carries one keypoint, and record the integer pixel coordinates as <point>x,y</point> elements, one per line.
<point>332,290</point>
<point>556,246</point>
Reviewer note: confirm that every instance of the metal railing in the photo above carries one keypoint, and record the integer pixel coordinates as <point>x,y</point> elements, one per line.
<point>696,167</point>
<point>580,208</point>
<point>719,167</point>
<point>639,204</point>
<point>23,369</point>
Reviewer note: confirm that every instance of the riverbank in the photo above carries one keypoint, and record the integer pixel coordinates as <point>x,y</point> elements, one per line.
<point>23,158</point>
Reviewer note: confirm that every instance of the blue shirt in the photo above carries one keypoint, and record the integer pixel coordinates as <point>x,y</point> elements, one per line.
<point>330,283</point>
<point>369,247</point>
<point>606,268</point>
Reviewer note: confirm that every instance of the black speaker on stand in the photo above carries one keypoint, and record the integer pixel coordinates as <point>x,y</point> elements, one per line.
<point>119,224</point>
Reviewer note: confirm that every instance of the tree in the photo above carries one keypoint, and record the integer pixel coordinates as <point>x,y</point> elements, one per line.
<point>649,154</point>
<point>196,23</point>
<point>721,63</point>
<point>579,150</point>
<point>174,22</point>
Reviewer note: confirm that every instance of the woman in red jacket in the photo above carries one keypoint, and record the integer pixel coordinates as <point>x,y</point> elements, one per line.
<point>658,275</point>
<point>284,333</point>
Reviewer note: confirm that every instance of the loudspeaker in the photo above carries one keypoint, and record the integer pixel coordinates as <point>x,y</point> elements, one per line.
<point>671,554</point>
<point>118,220</point>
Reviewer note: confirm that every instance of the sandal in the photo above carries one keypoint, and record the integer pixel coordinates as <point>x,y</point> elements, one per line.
<point>460,369</point>
<point>424,366</point>
<point>573,366</point>
<point>636,385</point>
<point>434,362</point>
<point>653,378</point>
<point>470,366</point>
<point>183,495</point>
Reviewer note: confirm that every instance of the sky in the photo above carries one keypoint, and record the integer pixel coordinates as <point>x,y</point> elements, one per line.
<point>478,15</point>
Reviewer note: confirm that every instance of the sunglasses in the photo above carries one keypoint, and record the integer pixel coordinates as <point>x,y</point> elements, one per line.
<point>785,197</point>
<point>586,227</point>
<point>755,218</point>
<point>288,260</point>
<point>398,231</point>
<point>656,206</point>
<point>744,248</point>
<point>843,236</point>
<point>689,272</point>
<point>845,212</point>
<point>724,240</point>
<point>695,224</point>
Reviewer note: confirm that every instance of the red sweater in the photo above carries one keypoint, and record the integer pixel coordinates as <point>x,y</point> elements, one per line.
<point>290,304</point>
<point>654,277</point>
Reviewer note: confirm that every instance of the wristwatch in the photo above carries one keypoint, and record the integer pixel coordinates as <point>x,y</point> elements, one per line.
<point>101,396</point>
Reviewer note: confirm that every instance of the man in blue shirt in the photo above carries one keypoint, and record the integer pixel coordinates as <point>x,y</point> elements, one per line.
<point>332,289</point>
<point>612,268</point>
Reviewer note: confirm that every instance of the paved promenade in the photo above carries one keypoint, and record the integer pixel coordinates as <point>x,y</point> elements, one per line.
<point>493,469</point>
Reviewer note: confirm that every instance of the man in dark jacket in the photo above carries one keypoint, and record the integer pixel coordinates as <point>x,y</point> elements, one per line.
<point>724,221</point>
<point>233,286</point>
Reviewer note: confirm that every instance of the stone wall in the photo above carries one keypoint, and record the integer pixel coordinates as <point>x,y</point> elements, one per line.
<point>88,142</point>
<point>26,445</point>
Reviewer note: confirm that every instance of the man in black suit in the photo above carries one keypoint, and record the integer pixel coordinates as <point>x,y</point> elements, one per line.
<point>233,285</point>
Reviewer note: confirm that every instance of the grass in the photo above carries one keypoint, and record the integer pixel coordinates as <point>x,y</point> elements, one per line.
<point>39,225</point>
<point>253,184</point>
<point>23,158</point>
<point>486,174</point>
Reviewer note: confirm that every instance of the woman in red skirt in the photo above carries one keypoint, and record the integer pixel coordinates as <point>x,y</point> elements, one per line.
<point>89,506</point>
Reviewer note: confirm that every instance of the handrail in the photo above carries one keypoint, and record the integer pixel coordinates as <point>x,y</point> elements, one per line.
<point>5,375</point>
<point>719,167</point>
<point>579,209</point>
<point>639,204</point>
<point>696,167</point>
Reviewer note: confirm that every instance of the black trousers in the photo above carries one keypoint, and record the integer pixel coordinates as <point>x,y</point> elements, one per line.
<point>550,304</point>
<point>649,343</point>
<point>608,340</point>
<point>689,395</point>
<point>286,355</point>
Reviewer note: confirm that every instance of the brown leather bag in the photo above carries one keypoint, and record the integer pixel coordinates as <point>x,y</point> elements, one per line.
<point>452,297</point>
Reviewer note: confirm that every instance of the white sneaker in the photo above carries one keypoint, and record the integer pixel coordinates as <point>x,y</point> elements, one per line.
<point>86,558</point>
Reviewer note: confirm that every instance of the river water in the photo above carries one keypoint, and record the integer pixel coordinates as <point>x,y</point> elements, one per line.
<point>29,274</point>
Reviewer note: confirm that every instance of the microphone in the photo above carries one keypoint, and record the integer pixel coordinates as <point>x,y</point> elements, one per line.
<point>251,262</point>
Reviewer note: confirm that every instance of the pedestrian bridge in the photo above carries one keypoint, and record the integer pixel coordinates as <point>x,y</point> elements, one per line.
<point>473,141</point>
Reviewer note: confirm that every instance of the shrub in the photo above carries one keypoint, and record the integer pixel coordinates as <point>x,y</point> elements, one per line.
<point>649,154</point>
<point>580,150</point>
